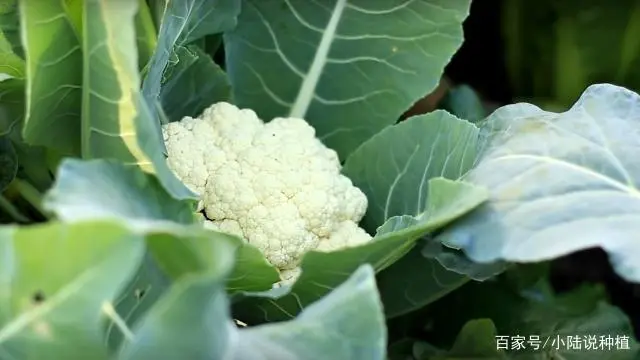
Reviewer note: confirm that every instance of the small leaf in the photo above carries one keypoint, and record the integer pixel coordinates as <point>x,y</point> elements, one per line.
<point>476,340</point>
<point>182,23</point>
<point>559,183</point>
<point>195,83</point>
<point>348,67</point>
<point>347,323</point>
<point>54,58</point>
<point>55,283</point>
<point>463,102</point>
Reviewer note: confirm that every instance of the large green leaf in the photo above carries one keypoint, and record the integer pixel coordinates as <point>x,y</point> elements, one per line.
<point>347,323</point>
<point>101,189</point>
<point>321,272</point>
<point>107,189</point>
<point>195,83</point>
<point>54,78</point>
<point>413,282</point>
<point>57,282</point>
<point>116,120</point>
<point>350,67</point>
<point>144,289</point>
<point>406,156</point>
<point>559,183</point>
<point>182,23</point>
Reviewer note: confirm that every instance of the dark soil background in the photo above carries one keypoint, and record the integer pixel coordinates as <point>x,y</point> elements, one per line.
<point>480,64</point>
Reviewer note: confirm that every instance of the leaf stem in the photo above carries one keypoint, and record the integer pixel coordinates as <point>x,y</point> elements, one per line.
<point>13,211</point>
<point>31,195</point>
<point>112,314</point>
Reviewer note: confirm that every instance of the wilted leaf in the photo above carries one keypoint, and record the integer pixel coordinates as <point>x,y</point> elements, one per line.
<point>559,183</point>
<point>54,61</point>
<point>349,67</point>
<point>347,323</point>
<point>55,282</point>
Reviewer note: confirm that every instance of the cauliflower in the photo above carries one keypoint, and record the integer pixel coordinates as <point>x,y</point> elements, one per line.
<point>274,184</point>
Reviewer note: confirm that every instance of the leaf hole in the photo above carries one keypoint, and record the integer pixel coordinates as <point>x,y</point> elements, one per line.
<point>38,297</point>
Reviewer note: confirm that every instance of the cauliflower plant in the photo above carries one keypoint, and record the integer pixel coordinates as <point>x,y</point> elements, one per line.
<point>274,184</point>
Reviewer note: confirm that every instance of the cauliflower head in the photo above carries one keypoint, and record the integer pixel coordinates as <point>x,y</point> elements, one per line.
<point>274,184</point>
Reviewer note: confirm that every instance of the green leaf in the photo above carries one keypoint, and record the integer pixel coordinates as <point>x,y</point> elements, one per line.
<point>576,316</point>
<point>135,300</point>
<point>57,282</point>
<point>407,156</point>
<point>347,323</point>
<point>196,252</point>
<point>10,25</point>
<point>457,261</point>
<point>348,67</point>
<point>195,83</point>
<point>476,340</point>
<point>321,272</point>
<point>53,61</point>
<point>116,121</point>
<point>578,42</point>
<point>146,38</point>
<point>414,282</point>
<point>11,65</point>
<point>12,101</point>
<point>182,23</point>
<point>8,162</point>
<point>107,189</point>
<point>559,183</point>
<point>464,103</point>
<point>103,189</point>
